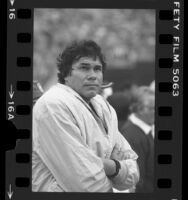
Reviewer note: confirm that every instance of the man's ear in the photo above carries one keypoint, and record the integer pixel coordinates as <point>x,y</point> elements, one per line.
<point>140,108</point>
<point>67,77</point>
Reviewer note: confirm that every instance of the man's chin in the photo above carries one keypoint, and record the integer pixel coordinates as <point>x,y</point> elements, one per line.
<point>90,95</point>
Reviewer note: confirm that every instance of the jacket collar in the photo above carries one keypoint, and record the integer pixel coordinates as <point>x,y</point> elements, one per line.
<point>141,124</point>
<point>74,93</point>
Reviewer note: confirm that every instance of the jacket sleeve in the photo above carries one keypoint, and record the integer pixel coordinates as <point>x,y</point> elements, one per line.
<point>129,173</point>
<point>139,144</point>
<point>61,147</point>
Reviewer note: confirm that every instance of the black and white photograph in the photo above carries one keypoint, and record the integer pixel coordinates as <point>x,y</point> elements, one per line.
<point>93,114</point>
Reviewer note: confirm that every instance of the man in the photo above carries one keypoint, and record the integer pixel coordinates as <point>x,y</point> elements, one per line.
<point>76,143</point>
<point>138,132</point>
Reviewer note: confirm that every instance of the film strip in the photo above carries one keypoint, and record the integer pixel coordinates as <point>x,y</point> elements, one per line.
<point>168,108</point>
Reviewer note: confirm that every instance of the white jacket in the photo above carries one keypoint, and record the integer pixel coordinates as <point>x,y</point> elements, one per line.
<point>69,140</point>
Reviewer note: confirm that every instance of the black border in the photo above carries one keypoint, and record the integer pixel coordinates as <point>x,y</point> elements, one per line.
<point>172,147</point>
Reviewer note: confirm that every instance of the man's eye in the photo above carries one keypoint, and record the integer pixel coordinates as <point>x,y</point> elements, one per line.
<point>98,68</point>
<point>84,68</point>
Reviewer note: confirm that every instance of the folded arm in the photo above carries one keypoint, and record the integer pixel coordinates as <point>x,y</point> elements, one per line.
<point>128,175</point>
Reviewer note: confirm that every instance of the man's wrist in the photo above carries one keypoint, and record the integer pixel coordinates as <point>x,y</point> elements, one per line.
<point>118,167</point>
<point>109,166</point>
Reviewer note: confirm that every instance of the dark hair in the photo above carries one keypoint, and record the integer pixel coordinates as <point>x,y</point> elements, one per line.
<point>73,52</point>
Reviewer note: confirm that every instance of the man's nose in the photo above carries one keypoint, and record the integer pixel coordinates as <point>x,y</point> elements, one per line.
<point>92,74</point>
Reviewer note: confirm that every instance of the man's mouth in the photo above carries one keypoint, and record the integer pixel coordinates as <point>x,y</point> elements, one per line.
<point>91,85</point>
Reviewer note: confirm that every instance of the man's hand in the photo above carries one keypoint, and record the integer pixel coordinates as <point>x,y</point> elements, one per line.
<point>109,166</point>
<point>119,154</point>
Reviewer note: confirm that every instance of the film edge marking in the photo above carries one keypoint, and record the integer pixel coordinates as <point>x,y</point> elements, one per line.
<point>10,192</point>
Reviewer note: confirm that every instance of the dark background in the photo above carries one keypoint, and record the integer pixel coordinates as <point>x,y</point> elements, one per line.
<point>139,74</point>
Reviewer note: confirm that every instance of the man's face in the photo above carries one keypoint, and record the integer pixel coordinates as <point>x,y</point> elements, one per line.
<point>149,109</point>
<point>86,77</point>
